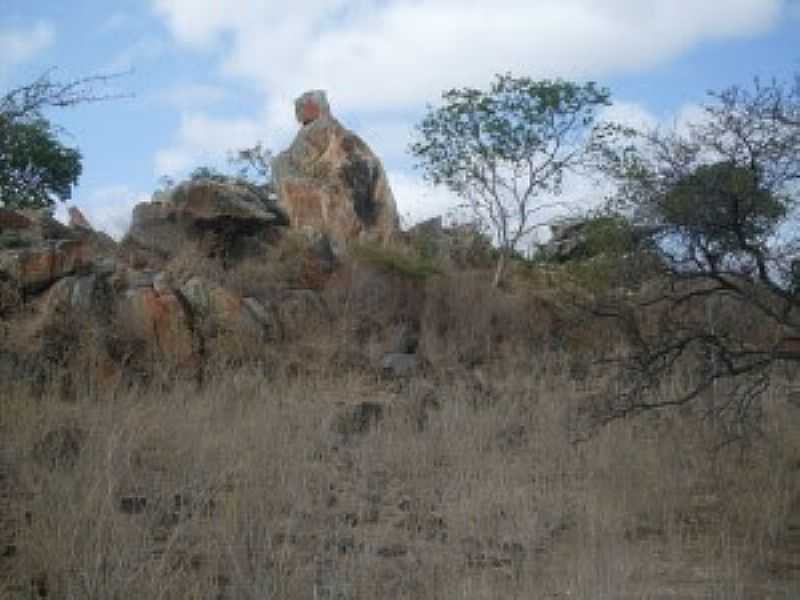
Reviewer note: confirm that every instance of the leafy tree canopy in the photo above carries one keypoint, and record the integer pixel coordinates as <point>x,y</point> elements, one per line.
<point>504,149</point>
<point>36,168</point>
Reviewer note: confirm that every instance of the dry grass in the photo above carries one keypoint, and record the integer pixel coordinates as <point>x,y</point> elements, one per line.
<point>339,486</point>
<point>297,471</point>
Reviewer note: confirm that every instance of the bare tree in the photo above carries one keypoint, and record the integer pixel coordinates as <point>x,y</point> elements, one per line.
<point>716,208</point>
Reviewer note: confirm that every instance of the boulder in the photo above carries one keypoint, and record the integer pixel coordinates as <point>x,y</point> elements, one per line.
<point>202,205</point>
<point>217,308</point>
<point>36,250</point>
<point>77,220</point>
<point>162,321</point>
<point>330,180</point>
<point>36,267</point>
<point>399,364</point>
<point>88,293</point>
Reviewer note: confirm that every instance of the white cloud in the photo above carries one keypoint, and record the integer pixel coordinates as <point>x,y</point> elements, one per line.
<point>108,209</point>
<point>376,55</point>
<point>629,114</point>
<point>205,140</point>
<point>417,200</point>
<point>20,45</point>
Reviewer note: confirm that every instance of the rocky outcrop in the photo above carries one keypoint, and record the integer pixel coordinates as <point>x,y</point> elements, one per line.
<point>222,206</point>
<point>331,181</point>
<point>216,308</point>
<point>36,250</point>
<point>164,323</point>
<point>77,219</point>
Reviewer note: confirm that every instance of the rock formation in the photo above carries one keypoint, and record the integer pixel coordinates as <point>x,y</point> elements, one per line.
<point>170,298</point>
<point>330,181</point>
<point>202,205</point>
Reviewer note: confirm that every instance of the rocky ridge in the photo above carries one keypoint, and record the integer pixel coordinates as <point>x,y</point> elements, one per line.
<point>150,291</point>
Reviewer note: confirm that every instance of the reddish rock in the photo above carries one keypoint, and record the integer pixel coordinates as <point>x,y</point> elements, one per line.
<point>311,106</point>
<point>331,181</point>
<point>77,219</point>
<point>35,268</point>
<point>162,321</point>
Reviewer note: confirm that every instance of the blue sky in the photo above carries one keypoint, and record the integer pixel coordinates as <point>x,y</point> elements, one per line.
<point>211,76</point>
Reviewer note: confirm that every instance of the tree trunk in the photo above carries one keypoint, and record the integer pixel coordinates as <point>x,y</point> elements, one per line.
<point>500,270</point>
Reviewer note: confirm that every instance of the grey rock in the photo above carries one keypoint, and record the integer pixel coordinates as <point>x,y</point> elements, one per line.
<point>399,364</point>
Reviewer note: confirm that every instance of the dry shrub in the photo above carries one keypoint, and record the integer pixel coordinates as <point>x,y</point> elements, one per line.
<point>293,261</point>
<point>10,297</point>
<point>191,261</point>
<point>468,322</point>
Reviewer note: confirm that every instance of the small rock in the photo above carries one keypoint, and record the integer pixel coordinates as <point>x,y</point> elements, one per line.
<point>399,364</point>
<point>132,505</point>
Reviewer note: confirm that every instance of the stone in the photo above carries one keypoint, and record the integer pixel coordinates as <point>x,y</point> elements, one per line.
<point>217,307</point>
<point>161,320</point>
<point>36,250</point>
<point>35,268</point>
<point>202,205</point>
<point>331,181</point>
<point>311,106</point>
<point>399,364</point>
<point>264,315</point>
<point>83,293</point>
<point>78,220</point>
<point>162,283</point>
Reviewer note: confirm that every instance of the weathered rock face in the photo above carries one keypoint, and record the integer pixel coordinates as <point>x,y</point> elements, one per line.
<point>163,321</point>
<point>199,206</point>
<point>330,180</point>
<point>214,307</point>
<point>36,250</point>
<point>77,219</point>
<point>311,106</point>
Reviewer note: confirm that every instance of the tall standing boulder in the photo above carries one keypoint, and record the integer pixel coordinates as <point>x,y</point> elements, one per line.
<point>329,180</point>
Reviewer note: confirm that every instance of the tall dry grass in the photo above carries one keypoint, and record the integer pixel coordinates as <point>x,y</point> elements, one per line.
<point>336,485</point>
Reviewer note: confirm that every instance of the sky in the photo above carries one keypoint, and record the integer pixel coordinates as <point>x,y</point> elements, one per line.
<point>206,77</point>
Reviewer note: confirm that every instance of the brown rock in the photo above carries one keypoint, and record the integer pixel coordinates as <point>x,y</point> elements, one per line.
<point>311,106</point>
<point>219,308</point>
<point>35,268</point>
<point>163,321</point>
<point>331,181</point>
<point>77,219</point>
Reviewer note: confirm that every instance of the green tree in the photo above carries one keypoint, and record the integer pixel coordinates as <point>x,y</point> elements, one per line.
<point>505,150</point>
<point>36,168</point>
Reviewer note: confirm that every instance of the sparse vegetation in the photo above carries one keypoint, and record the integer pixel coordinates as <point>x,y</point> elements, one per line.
<point>226,427</point>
